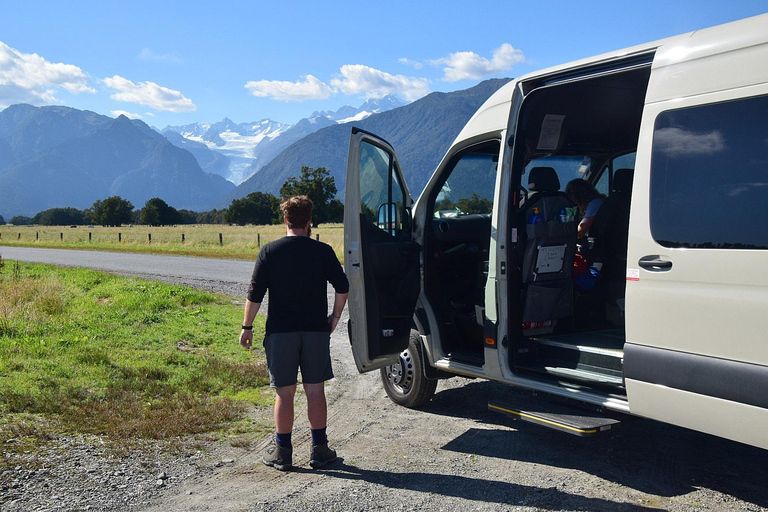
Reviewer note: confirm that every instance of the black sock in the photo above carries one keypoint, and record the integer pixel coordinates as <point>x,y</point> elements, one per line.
<point>318,436</point>
<point>284,440</point>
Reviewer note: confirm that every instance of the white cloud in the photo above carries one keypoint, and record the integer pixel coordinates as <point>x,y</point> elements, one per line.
<point>309,89</point>
<point>129,115</point>
<point>471,66</point>
<point>149,55</point>
<point>412,63</point>
<point>149,94</point>
<point>359,79</point>
<point>676,142</point>
<point>746,187</point>
<point>29,78</point>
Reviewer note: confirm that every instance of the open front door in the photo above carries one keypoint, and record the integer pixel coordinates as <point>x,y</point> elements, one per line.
<point>380,259</point>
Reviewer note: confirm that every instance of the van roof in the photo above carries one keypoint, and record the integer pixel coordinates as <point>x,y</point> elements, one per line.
<point>493,115</point>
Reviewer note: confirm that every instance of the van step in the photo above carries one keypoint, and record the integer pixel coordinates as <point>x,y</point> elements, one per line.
<point>556,416</point>
<point>582,373</point>
<point>570,355</point>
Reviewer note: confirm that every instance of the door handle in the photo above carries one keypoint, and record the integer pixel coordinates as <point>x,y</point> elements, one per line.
<point>655,264</point>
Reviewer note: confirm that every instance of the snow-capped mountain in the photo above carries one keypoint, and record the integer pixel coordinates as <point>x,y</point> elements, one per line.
<point>373,106</point>
<point>234,141</point>
<point>251,146</point>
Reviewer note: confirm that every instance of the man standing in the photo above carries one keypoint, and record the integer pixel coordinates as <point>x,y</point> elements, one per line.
<point>296,269</point>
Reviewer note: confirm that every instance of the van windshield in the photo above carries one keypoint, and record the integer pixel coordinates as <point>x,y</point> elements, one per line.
<point>567,167</point>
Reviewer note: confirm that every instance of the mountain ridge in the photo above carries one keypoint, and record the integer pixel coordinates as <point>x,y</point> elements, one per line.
<point>79,157</point>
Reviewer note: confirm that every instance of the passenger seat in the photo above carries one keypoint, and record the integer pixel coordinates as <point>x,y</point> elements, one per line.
<point>611,232</point>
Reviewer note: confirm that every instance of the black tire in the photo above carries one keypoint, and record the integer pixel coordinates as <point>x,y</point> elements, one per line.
<point>405,382</point>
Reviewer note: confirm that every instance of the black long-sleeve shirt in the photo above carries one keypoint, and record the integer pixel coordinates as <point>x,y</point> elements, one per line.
<point>296,270</point>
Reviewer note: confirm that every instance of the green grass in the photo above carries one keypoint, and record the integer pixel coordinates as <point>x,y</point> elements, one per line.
<point>128,358</point>
<point>239,242</point>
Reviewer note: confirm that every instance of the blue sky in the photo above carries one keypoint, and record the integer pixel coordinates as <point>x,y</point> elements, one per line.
<point>174,62</point>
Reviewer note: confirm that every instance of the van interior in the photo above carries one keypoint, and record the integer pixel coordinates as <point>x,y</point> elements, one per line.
<point>566,319</point>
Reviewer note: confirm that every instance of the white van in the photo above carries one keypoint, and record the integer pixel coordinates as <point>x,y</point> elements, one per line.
<point>661,311</point>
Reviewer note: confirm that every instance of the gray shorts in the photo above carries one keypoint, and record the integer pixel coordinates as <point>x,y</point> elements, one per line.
<point>289,351</point>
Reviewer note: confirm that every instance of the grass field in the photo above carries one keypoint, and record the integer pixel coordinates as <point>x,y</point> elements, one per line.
<point>122,357</point>
<point>236,242</point>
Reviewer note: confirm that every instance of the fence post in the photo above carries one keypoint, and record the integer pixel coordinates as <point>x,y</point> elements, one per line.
<point>149,238</point>
<point>258,239</point>
<point>221,239</point>
<point>37,236</point>
<point>182,238</point>
<point>120,238</point>
<point>89,237</point>
<point>317,237</point>
<point>19,238</point>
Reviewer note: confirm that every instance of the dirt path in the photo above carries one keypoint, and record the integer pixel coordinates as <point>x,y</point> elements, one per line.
<point>454,454</point>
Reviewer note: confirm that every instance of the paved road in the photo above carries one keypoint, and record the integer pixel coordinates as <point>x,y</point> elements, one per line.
<point>223,276</point>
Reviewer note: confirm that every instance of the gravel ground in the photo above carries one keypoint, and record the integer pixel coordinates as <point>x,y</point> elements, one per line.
<point>453,454</point>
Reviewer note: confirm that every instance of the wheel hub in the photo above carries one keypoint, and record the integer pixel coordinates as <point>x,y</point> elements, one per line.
<point>400,374</point>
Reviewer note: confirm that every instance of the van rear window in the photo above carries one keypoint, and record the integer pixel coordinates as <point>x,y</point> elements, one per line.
<point>709,176</point>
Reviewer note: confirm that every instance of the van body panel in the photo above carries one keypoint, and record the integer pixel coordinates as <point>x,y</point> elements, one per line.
<point>700,323</point>
<point>711,60</point>
<point>716,416</point>
<point>492,115</point>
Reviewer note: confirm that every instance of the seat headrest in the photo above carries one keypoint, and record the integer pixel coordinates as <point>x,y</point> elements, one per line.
<point>622,180</point>
<point>543,179</point>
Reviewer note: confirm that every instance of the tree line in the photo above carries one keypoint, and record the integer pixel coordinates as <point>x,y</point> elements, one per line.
<point>255,208</point>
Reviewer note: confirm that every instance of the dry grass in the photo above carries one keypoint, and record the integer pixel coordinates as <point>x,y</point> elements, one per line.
<point>239,242</point>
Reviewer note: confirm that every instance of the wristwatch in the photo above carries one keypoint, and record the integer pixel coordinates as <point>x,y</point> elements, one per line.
<point>247,327</point>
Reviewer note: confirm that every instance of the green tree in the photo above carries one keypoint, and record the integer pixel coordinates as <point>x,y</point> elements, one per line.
<point>319,186</point>
<point>59,217</point>
<point>212,217</point>
<point>20,220</point>
<point>335,211</point>
<point>150,215</point>
<point>187,217</point>
<point>255,208</point>
<point>2,220</point>
<point>475,204</point>
<point>157,212</point>
<point>112,211</point>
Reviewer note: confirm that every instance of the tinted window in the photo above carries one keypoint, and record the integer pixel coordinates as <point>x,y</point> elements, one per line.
<point>709,176</point>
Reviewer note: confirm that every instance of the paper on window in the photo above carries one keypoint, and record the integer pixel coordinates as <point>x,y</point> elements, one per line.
<point>551,127</point>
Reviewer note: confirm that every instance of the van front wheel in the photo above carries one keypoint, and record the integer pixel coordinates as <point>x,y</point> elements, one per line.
<point>404,381</point>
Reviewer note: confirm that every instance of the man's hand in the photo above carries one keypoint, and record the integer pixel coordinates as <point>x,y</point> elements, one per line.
<point>332,323</point>
<point>246,338</point>
<point>249,313</point>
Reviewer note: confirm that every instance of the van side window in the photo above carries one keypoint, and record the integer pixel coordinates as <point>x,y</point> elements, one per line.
<point>470,186</point>
<point>709,176</point>
<point>381,193</point>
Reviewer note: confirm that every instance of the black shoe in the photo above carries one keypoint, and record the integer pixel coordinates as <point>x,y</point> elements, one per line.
<point>321,456</point>
<point>278,457</point>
